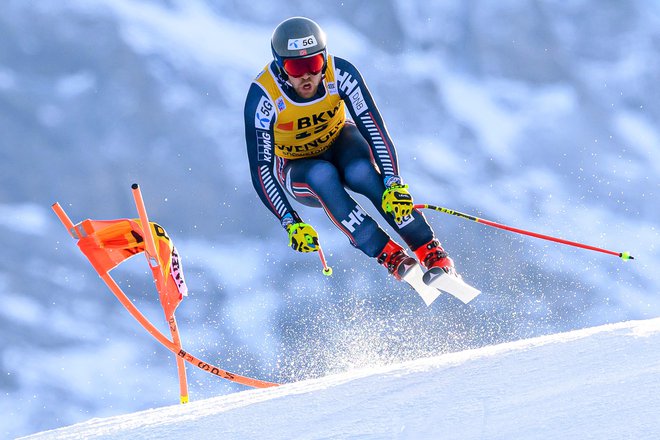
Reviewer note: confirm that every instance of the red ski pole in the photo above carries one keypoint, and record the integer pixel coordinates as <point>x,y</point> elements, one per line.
<point>327,270</point>
<point>623,255</point>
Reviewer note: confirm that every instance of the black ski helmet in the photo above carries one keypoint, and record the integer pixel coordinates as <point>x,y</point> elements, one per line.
<point>297,37</point>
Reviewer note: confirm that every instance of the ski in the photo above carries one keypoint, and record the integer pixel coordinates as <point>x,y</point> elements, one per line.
<point>450,283</point>
<point>414,277</point>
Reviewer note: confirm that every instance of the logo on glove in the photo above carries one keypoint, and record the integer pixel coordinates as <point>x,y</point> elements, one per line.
<point>398,202</point>
<point>303,237</point>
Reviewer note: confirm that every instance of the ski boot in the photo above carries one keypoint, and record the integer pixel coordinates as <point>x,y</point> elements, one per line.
<point>433,255</point>
<point>396,260</point>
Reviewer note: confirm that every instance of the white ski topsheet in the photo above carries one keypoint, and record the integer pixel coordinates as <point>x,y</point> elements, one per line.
<point>452,284</point>
<point>414,278</point>
<point>431,284</point>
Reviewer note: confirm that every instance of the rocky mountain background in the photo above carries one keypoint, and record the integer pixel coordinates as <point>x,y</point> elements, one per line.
<point>541,115</point>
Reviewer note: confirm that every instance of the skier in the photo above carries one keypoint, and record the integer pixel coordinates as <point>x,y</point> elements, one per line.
<point>300,143</point>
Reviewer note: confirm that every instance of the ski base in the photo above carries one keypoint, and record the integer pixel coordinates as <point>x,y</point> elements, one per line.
<point>452,284</point>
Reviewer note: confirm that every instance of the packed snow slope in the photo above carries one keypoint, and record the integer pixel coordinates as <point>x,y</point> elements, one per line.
<point>542,115</point>
<point>600,382</point>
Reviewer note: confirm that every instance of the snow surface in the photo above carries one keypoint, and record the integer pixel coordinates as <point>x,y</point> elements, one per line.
<point>602,383</point>
<point>539,115</point>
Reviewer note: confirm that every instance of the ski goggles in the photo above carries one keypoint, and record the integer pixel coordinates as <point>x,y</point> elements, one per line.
<point>297,67</point>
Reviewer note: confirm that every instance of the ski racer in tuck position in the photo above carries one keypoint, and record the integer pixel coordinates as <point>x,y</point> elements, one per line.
<point>300,144</point>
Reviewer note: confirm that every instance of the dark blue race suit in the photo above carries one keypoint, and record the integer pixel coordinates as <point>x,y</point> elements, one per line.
<point>359,159</point>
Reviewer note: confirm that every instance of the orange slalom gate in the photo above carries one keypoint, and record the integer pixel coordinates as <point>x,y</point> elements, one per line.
<point>106,243</point>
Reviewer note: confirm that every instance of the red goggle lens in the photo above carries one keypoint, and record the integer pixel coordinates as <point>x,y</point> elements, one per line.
<point>297,67</point>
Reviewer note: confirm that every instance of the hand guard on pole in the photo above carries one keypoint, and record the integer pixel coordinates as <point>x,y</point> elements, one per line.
<point>397,200</point>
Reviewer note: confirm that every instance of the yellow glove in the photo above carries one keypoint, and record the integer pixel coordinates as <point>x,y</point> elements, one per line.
<point>303,237</point>
<point>397,201</point>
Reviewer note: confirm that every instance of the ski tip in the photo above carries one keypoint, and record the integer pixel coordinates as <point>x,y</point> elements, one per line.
<point>134,186</point>
<point>625,256</point>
